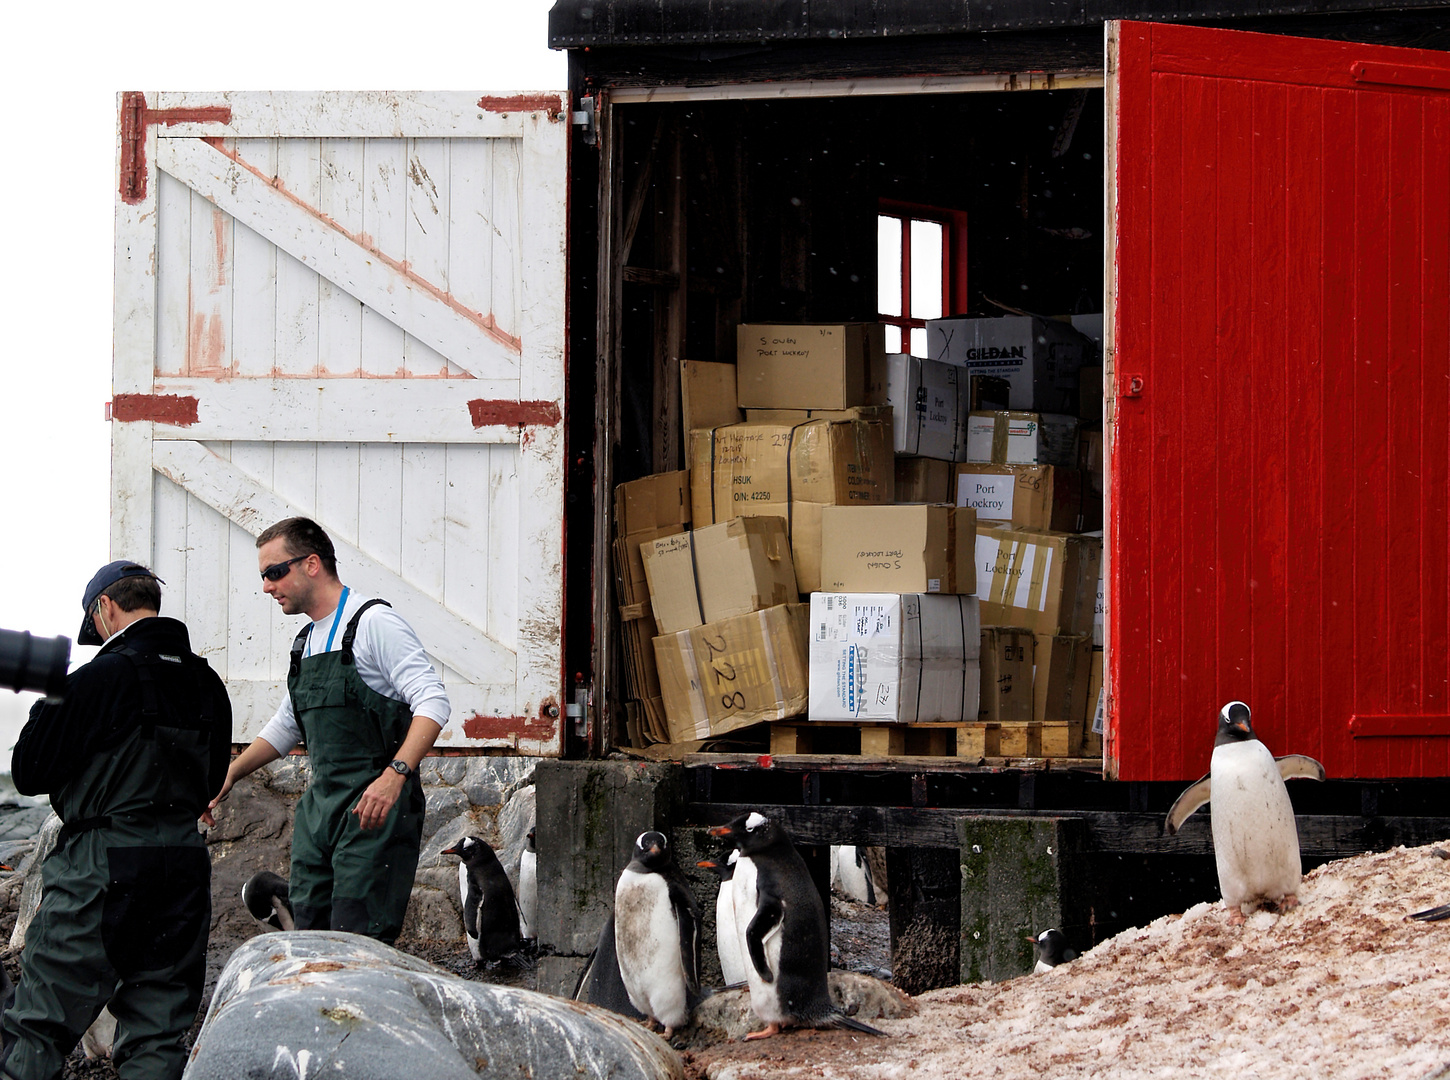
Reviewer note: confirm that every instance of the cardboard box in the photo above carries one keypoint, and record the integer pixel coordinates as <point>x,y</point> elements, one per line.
<point>890,656</point>
<point>1029,496</point>
<point>652,502</point>
<point>1007,653</point>
<point>928,407</point>
<point>988,393</point>
<point>707,395</point>
<point>1098,609</point>
<point>736,672</point>
<point>1091,744</point>
<point>718,572</point>
<point>810,365</point>
<point>637,633</point>
<point>925,480</point>
<point>790,471</point>
<point>1038,357</point>
<point>1022,438</point>
<point>1090,456</point>
<point>1044,581</point>
<point>919,548</point>
<point>1090,394</point>
<point>1060,680</point>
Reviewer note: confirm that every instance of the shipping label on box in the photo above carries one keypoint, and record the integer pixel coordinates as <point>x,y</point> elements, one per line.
<point>925,480</point>
<point>1039,358</point>
<point>1006,674</point>
<point>810,366</point>
<point>902,548</point>
<point>731,568</point>
<point>1041,580</point>
<point>891,656</point>
<point>652,502</point>
<point>730,674</point>
<point>1092,740</point>
<point>928,407</point>
<point>1022,438</point>
<point>1028,496</point>
<point>1098,615</point>
<point>1060,681</point>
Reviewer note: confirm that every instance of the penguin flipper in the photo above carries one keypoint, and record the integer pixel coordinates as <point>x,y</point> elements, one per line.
<point>842,1020</point>
<point>1194,796</point>
<point>1298,766</point>
<point>1434,914</point>
<point>767,917</point>
<point>687,917</point>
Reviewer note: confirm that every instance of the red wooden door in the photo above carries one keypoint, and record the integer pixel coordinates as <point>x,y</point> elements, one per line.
<point>1279,526</point>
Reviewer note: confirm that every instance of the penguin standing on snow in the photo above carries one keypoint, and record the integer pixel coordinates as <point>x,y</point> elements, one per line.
<point>529,888</point>
<point>786,936</point>
<point>657,935</point>
<point>490,913</point>
<point>1052,949</point>
<point>727,933</point>
<point>1255,840</point>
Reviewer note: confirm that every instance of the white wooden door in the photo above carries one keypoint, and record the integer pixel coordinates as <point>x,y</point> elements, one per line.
<point>352,307</point>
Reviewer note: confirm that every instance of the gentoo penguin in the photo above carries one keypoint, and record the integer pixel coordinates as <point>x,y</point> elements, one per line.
<point>657,935</point>
<point>490,913</point>
<point>786,935</point>
<point>1052,949</point>
<point>850,874</point>
<point>600,982</point>
<point>529,888</point>
<point>265,895</point>
<point>1255,841</point>
<point>727,933</point>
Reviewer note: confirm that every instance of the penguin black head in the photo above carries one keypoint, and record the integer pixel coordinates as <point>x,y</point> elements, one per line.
<point>1234,724</point>
<point>529,842</point>
<point>725,871</point>
<point>1052,947</point>
<point>752,832</point>
<point>652,850</point>
<point>474,851</point>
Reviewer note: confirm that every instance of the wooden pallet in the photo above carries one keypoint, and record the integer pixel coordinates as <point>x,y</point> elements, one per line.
<point>966,741</point>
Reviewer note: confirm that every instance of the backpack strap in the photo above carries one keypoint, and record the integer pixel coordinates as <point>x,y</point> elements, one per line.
<point>299,644</point>
<point>350,633</point>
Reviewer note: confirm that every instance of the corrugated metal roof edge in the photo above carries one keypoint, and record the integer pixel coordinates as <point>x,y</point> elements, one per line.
<point>744,21</point>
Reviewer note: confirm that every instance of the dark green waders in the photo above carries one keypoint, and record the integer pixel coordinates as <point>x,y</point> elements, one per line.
<point>344,878</point>
<point>125,909</point>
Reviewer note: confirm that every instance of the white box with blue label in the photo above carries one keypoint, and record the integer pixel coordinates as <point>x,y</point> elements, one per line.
<point>905,657</point>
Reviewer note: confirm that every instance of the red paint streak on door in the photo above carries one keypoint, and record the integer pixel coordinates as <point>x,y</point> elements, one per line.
<point>509,727</point>
<point>136,117</point>
<point>513,413</point>
<point>1280,511</point>
<point>160,408</point>
<point>545,103</point>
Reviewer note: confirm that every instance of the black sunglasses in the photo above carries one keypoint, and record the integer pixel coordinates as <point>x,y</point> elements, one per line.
<point>277,571</point>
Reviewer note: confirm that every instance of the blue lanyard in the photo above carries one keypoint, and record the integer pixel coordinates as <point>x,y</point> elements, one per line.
<point>341,603</point>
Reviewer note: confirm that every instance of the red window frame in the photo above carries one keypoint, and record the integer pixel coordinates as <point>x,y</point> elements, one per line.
<point>954,261</point>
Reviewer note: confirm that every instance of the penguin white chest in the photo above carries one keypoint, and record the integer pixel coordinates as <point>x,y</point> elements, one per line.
<point>1255,841</point>
<point>727,935</point>
<point>647,943</point>
<point>764,996</point>
<point>470,911</point>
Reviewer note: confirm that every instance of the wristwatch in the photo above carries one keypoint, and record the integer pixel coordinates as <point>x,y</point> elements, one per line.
<point>400,767</point>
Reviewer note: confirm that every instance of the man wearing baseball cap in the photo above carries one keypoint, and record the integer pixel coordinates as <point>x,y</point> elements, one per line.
<point>129,758</point>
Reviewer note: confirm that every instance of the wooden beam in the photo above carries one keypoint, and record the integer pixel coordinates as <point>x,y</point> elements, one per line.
<point>659,279</point>
<point>382,281</point>
<point>669,236</point>
<point>1321,836</point>
<point>252,505</point>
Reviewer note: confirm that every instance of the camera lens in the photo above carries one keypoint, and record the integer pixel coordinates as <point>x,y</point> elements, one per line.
<point>34,663</point>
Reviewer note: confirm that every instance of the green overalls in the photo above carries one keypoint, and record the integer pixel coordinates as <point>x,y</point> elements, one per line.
<point>126,904</point>
<point>342,877</point>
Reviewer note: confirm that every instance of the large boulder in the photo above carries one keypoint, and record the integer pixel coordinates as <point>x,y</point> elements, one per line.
<point>313,1003</point>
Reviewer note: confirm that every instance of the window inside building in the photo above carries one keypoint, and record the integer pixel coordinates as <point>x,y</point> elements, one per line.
<point>921,270</point>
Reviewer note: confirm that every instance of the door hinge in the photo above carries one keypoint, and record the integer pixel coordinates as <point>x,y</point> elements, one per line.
<point>136,117</point>
<point>577,712</point>
<point>585,117</point>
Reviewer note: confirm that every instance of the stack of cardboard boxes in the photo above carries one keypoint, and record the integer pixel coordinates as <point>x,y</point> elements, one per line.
<point>933,517</point>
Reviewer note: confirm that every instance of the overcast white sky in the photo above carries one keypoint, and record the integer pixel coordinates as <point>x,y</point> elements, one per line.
<point>61,69</point>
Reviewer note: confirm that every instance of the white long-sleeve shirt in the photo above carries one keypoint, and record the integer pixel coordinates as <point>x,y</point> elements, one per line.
<point>389,659</point>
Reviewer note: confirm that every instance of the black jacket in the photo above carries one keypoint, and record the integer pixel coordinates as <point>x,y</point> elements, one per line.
<point>103,706</point>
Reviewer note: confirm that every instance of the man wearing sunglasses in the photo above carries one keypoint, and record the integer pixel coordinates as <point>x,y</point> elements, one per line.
<point>129,759</point>
<point>364,697</point>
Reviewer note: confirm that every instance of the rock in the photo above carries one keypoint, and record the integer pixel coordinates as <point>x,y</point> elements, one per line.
<point>487,779</point>
<point>30,895</point>
<point>289,775</point>
<point>727,1013</point>
<point>442,770</point>
<point>514,822</point>
<point>444,804</point>
<point>433,914</point>
<point>344,1003</point>
<point>447,835</point>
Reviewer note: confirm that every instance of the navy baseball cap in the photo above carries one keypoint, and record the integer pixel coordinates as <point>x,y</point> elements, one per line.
<point>105,577</point>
